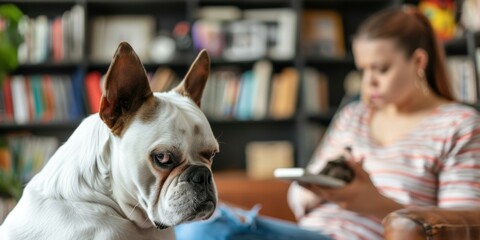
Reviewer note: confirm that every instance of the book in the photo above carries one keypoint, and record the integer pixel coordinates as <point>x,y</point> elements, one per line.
<point>57,39</point>
<point>315,91</point>
<point>19,99</point>
<point>322,32</point>
<point>38,97</point>
<point>243,110</point>
<point>7,95</point>
<point>262,73</point>
<point>93,89</point>
<point>77,105</point>
<point>42,39</point>
<point>283,101</point>
<point>3,110</point>
<point>61,100</point>
<point>462,74</point>
<point>163,79</point>
<point>77,32</point>
<point>49,98</point>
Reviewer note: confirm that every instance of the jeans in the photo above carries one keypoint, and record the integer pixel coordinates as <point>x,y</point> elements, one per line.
<point>229,223</point>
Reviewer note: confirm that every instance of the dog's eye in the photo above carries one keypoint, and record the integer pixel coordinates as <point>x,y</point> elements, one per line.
<point>162,160</point>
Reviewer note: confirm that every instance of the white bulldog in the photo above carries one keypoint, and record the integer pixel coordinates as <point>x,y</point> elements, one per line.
<point>133,171</point>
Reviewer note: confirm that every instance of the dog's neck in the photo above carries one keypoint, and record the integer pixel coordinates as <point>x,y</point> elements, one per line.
<point>81,171</point>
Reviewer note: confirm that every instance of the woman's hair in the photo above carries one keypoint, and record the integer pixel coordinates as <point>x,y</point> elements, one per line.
<point>411,30</point>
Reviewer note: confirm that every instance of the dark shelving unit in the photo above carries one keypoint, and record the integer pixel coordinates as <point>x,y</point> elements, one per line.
<point>233,135</point>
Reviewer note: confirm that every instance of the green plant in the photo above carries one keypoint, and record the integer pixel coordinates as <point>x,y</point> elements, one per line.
<point>10,186</point>
<point>10,38</point>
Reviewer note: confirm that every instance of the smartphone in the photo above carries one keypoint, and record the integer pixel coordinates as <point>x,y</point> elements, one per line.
<point>302,175</point>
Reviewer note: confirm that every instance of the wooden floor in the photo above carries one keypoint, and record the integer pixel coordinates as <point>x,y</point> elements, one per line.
<point>235,188</point>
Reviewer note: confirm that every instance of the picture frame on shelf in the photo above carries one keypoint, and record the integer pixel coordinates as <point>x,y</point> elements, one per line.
<point>245,40</point>
<point>281,24</point>
<point>109,31</point>
<point>322,33</point>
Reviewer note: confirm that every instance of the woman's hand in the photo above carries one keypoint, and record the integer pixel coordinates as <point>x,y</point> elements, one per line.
<point>359,196</point>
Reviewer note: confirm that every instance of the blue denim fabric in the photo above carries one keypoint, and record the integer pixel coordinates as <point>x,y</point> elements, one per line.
<point>236,224</point>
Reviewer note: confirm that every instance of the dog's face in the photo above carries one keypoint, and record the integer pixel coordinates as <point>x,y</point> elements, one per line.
<point>164,147</point>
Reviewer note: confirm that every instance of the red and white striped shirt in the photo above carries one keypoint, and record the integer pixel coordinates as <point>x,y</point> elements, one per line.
<point>436,164</point>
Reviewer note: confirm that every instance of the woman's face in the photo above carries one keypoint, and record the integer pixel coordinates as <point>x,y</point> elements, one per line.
<point>387,74</point>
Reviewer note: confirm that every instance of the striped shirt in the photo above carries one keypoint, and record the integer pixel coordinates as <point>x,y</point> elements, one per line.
<point>436,164</point>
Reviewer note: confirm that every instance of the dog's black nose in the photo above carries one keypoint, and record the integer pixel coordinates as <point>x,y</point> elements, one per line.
<point>199,175</point>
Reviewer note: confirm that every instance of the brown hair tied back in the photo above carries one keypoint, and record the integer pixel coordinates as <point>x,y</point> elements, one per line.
<point>411,30</point>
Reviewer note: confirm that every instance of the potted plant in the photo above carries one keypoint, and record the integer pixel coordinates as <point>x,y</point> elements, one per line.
<point>10,38</point>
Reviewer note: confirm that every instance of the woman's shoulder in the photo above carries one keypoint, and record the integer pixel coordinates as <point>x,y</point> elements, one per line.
<point>459,115</point>
<point>458,110</point>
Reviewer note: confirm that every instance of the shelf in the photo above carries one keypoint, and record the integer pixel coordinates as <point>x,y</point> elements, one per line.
<point>250,63</point>
<point>64,125</point>
<point>457,46</point>
<point>250,122</point>
<point>323,118</point>
<point>330,60</point>
<point>345,4</point>
<point>244,4</point>
<point>47,67</point>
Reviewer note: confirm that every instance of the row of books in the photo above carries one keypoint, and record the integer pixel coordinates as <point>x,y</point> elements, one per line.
<point>53,39</point>
<point>253,94</point>
<point>42,98</point>
<point>22,156</point>
<point>163,79</point>
<point>229,94</point>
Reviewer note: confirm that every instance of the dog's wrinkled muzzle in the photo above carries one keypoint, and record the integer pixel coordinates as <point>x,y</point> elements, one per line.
<point>200,178</point>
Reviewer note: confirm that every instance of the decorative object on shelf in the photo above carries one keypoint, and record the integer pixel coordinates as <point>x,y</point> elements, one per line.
<point>182,36</point>
<point>162,49</point>
<point>322,32</point>
<point>441,14</point>
<point>109,31</point>
<point>264,157</point>
<point>281,24</point>
<point>470,17</point>
<point>245,40</point>
<point>10,38</point>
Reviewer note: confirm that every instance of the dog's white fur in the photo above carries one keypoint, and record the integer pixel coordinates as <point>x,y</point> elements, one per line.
<point>101,185</point>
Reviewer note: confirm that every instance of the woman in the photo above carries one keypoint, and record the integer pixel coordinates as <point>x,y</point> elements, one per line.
<point>411,143</point>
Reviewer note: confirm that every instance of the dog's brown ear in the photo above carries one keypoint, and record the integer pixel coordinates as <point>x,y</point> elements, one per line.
<point>126,88</point>
<point>194,82</point>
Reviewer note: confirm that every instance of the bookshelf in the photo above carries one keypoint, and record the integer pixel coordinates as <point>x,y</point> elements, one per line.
<point>233,134</point>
